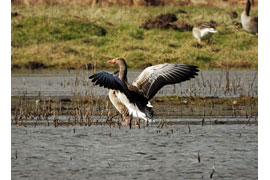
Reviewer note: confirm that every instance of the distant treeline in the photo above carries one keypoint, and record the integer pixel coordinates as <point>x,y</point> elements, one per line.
<point>127,2</point>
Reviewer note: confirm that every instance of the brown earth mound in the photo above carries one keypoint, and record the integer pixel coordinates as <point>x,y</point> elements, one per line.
<point>237,24</point>
<point>233,14</point>
<point>210,24</point>
<point>162,21</point>
<point>166,21</point>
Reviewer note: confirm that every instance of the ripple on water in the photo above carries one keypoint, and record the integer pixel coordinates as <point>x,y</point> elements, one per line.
<point>89,153</point>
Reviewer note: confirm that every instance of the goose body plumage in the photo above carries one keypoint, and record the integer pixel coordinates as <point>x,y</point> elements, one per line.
<point>249,23</point>
<point>203,32</point>
<point>134,99</point>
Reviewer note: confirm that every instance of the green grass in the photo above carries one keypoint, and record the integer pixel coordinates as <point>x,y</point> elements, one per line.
<point>40,30</point>
<point>72,36</point>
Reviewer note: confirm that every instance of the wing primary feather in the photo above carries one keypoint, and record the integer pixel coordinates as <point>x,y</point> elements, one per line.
<point>153,78</point>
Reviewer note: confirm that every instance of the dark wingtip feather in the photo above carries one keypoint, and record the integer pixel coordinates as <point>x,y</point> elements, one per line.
<point>92,76</point>
<point>194,69</point>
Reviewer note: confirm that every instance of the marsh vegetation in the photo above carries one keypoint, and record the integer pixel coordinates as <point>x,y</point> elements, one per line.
<point>70,98</point>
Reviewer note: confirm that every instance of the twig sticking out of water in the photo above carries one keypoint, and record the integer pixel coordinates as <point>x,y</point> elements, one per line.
<point>220,80</point>
<point>227,82</point>
<point>215,90</point>
<point>16,154</point>
<point>203,83</point>
<point>213,171</point>
<point>138,121</point>
<point>255,76</point>
<point>55,120</point>
<point>111,116</point>
<point>109,164</point>
<point>248,121</point>
<point>203,121</point>
<point>199,157</point>
<point>210,87</point>
<point>110,132</point>
<point>119,123</point>
<point>189,130</point>
<point>191,110</point>
<point>234,111</point>
<point>161,123</point>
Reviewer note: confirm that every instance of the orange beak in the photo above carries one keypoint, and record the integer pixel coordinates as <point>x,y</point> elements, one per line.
<point>112,61</point>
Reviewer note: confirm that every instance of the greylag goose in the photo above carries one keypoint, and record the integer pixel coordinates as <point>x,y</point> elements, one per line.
<point>203,31</point>
<point>249,23</point>
<point>133,100</point>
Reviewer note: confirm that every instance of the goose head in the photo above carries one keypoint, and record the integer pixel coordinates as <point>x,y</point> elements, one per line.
<point>119,61</point>
<point>122,74</point>
<point>211,30</point>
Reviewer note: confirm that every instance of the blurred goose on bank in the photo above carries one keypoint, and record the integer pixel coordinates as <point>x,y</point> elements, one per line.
<point>249,23</point>
<point>204,31</point>
<point>133,100</point>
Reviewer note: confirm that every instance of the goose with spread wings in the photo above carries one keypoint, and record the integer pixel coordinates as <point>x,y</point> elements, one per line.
<point>133,100</point>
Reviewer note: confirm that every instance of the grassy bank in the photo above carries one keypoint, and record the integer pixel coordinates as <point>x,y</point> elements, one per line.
<point>78,37</point>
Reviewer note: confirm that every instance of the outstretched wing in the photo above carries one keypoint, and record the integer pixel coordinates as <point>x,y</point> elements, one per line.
<point>153,78</point>
<point>110,81</point>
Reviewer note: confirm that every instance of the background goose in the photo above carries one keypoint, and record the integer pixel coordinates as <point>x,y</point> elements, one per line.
<point>204,31</point>
<point>249,23</point>
<point>133,99</point>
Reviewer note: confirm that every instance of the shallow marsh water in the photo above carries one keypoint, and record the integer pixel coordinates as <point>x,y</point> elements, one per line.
<point>100,152</point>
<point>217,83</point>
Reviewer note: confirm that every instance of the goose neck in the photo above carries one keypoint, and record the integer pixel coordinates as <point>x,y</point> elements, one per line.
<point>248,5</point>
<point>122,72</point>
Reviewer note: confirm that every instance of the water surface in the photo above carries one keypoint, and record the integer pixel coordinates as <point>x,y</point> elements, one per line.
<point>218,83</point>
<point>100,152</point>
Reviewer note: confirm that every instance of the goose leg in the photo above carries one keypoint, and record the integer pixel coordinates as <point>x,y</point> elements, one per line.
<point>128,121</point>
<point>138,122</point>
